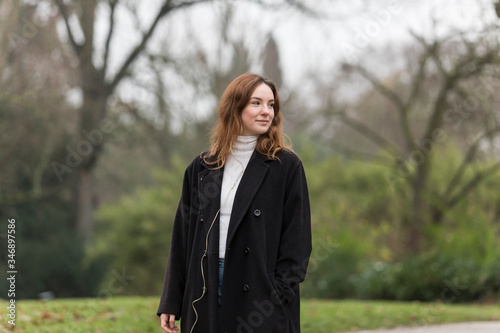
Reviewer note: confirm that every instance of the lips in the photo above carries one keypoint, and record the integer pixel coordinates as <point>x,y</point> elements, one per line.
<point>263,121</point>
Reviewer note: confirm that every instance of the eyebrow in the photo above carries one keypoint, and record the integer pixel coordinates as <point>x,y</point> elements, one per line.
<point>260,99</point>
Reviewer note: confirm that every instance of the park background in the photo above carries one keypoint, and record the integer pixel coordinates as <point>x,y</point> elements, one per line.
<point>391,105</point>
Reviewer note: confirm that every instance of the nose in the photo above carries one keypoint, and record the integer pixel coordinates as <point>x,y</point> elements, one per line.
<point>266,109</point>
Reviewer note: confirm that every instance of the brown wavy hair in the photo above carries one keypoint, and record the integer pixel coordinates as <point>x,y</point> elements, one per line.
<point>229,123</point>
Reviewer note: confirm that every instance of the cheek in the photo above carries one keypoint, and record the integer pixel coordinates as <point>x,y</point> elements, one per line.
<point>248,113</point>
<point>244,115</point>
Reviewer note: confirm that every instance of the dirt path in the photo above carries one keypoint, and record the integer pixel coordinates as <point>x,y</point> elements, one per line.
<point>473,327</point>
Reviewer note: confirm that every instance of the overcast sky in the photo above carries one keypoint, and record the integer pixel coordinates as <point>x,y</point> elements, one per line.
<point>341,31</point>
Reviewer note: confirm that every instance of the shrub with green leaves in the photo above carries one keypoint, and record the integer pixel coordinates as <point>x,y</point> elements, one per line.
<point>49,255</point>
<point>427,277</point>
<point>135,231</point>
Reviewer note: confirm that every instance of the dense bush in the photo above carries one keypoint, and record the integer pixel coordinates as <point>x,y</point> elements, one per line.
<point>49,257</point>
<point>352,223</point>
<point>426,277</point>
<point>359,215</point>
<point>357,223</point>
<point>135,232</point>
<point>333,264</point>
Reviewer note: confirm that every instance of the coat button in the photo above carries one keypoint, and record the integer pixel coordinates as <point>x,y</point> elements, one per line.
<point>256,212</point>
<point>201,218</point>
<point>247,250</point>
<point>246,288</point>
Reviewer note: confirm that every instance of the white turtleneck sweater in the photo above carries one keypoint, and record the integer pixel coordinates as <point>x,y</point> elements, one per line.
<point>234,168</point>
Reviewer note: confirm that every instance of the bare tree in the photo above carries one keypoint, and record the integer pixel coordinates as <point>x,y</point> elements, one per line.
<point>97,86</point>
<point>450,81</point>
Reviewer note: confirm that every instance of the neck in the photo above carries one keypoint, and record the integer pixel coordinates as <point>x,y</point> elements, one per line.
<point>245,143</point>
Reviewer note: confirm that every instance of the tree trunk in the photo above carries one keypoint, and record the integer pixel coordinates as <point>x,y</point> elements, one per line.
<point>85,217</point>
<point>418,209</point>
<point>93,131</point>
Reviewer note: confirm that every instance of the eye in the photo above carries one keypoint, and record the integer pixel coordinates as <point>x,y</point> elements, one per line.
<point>255,103</point>
<point>271,105</point>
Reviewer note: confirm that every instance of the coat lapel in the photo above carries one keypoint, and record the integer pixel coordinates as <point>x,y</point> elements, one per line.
<point>250,182</point>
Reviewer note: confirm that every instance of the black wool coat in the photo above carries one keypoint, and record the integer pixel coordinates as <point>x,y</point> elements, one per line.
<point>267,251</point>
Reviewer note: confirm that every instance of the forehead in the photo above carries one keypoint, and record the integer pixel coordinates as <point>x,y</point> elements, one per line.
<point>263,91</point>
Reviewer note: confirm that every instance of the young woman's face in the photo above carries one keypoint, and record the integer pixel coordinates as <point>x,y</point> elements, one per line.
<point>259,112</point>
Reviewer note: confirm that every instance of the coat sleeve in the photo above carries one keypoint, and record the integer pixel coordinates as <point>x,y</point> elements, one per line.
<point>175,274</point>
<point>295,245</point>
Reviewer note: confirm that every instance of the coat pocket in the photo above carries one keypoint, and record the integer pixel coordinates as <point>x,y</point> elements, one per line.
<point>281,312</point>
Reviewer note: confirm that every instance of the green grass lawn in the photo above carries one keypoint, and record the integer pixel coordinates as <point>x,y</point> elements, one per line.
<point>137,314</point>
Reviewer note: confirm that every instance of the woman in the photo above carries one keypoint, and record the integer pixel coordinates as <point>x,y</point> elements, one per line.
<point>242,234</point>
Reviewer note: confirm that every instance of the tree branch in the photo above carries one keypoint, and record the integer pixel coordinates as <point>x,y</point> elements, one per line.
<point>417,82</point>
<point>112,6</point>
<point>299,5</point>
<point>468,158</point>
<point>432,51</point>
<point>461,71</point>
<point>63,10</point>
<point>464,70</point>
<point>137,50</point>
<point>473,183</point>
<point>369,133</point>
<point>439,108</point>
<point>165,9</point>
<point>391,95</point>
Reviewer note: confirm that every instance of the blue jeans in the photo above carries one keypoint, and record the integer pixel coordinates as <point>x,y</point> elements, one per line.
<point>219,294</point>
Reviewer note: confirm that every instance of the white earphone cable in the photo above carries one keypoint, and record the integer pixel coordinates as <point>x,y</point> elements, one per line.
<point>205,253</point>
